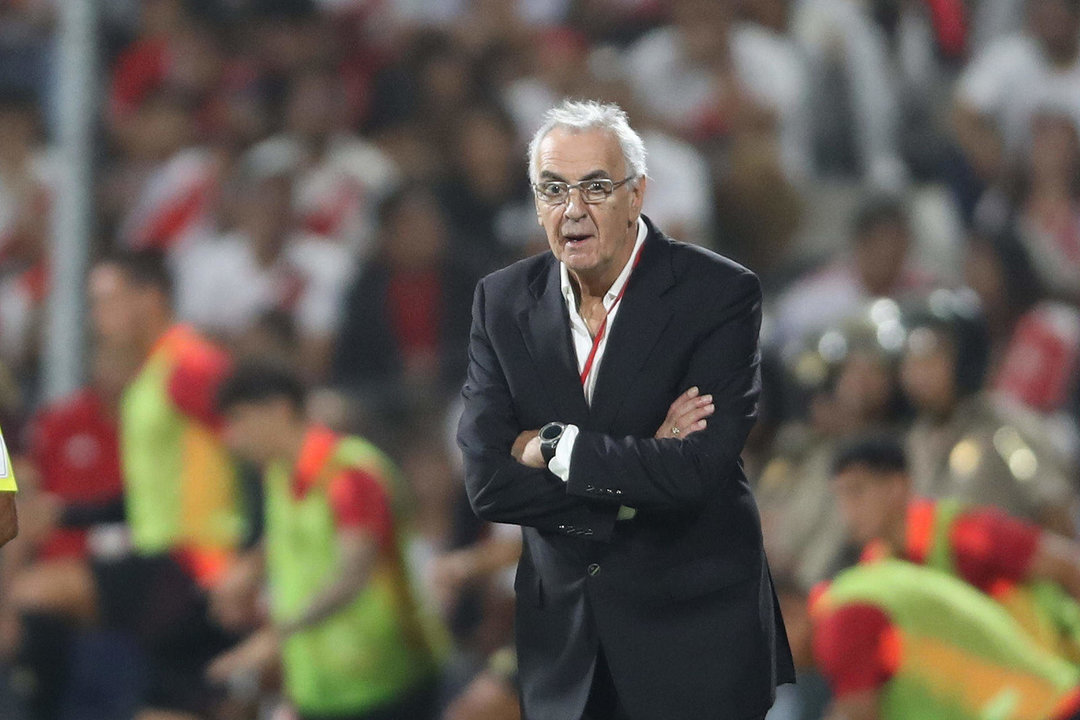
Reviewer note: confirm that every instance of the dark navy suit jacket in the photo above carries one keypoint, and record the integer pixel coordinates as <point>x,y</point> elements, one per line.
<point>680,597</point>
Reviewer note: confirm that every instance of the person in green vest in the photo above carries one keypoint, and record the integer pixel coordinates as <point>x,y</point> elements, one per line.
<point>898,641</point>
<point>353,640</point>
<point>1033,572</point>
<point>9,520</point>
<point>182,519</point>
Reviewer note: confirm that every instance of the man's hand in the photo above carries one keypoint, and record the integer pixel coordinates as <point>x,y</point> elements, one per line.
<point>686,415</point>
<point>256,654</point>
<point>486,697</point>
<point>234,599</point>
<point>526,449</point>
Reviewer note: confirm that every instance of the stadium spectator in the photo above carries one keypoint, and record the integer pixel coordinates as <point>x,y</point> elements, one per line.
<point>405,321</point>
<point>880,263</point>
<point>852,383</point>
<point>267,264</point>
<point>966,444</point>
<point>1004,86</point>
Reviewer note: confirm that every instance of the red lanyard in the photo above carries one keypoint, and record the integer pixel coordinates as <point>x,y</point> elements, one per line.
<point>603,325</point>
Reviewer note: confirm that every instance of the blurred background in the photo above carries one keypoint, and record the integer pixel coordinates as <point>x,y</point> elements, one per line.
<point>328,179</point>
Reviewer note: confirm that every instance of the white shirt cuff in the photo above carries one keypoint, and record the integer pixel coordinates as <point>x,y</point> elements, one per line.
<point>560,464</point>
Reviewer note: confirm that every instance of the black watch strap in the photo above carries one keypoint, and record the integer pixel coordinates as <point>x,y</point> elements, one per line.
<point>550,435</point>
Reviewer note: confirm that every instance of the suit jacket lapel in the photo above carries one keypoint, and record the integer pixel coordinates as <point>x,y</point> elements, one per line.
<point>545,325</point>
<point>639,322</point>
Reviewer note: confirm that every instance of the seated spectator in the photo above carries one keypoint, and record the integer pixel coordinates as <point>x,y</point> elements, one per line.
<point>879,264</point>
<point>27,179</point>
<point>341,178</point>
<point>966,444</point>
<point>853,384</point>
<point>1034,341</point>
<point>1050,208</point>
<point>27,176</point>
<point>704,76</point>
<point>407,312</point>
<point>167,190</point>
<point>487,198</point>
<point>1004,85</point>
<point>853,89</point>
<point>267,264</point>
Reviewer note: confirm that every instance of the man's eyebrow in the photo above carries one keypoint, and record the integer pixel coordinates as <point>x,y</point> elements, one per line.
<point>593,175</point>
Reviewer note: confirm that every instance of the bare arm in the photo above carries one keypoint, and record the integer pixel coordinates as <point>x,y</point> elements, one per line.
<point>9,521</point>
<point>358,550</point>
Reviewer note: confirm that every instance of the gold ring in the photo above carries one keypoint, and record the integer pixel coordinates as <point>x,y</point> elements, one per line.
<point>675,431</point>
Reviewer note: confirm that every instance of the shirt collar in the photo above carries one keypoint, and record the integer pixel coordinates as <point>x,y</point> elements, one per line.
<point>620,281</point>
<point>318,446</point>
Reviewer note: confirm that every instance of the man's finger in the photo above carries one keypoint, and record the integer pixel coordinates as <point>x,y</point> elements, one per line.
<point>684,398</point>
<point>694,414</point>
<point>684,404</point>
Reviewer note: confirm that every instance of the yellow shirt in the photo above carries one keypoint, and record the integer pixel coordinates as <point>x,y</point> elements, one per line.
<point>7,474</point>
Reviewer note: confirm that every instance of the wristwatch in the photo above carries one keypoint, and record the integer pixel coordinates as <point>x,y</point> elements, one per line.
<point>550,435</point>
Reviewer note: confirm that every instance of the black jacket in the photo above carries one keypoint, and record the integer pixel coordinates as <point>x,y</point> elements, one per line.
<point>680,597</point>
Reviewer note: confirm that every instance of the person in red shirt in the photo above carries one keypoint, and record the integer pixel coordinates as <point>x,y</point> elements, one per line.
<point>74,447</point>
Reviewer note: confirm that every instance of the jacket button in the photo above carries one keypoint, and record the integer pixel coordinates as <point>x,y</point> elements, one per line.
<point>562,527</point>
<point>618,492</point>
<point>594,569</point>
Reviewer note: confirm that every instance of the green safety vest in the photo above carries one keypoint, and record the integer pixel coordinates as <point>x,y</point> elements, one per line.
<point>956,654</point>
<point>1041,607</point>
<point>377,647</point>
<point>180,484</point>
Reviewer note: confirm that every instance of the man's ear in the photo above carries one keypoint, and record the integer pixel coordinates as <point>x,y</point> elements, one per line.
<point>637,199</point>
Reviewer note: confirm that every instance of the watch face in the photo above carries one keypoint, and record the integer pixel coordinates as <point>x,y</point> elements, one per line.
<point>550,432</point>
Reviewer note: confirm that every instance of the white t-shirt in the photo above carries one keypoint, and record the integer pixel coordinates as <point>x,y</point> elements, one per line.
<point>222,288</point>
<point>338,196</point>
<point>769,67</point>
<point>1013,79</point>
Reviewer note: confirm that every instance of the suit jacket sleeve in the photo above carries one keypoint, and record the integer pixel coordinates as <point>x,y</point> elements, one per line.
<point>681,474</point>
<point>501,489</point>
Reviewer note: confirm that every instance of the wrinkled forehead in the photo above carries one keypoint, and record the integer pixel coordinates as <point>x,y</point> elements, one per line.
<point>571,155</point>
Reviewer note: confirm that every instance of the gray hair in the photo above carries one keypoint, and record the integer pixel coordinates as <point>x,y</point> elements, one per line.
<point>581,115</point>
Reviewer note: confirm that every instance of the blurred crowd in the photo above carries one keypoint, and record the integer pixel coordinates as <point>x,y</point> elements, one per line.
<point>327,180</point>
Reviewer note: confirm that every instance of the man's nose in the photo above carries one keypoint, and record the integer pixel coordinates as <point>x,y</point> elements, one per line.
<point>575,204</point>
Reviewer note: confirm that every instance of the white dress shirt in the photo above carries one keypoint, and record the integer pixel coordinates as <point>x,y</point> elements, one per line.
<point>583,343</point>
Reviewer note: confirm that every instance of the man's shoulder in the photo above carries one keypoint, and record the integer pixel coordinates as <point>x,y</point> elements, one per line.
<point>695,264</point>
<point>517,278</point>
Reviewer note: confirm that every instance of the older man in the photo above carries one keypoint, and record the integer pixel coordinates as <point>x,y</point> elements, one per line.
<point>611,387</point>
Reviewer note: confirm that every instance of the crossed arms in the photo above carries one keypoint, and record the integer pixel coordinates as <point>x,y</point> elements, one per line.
<point>654,472</point>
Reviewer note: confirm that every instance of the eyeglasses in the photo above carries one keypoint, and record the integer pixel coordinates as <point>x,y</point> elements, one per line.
<point>597,190</point>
